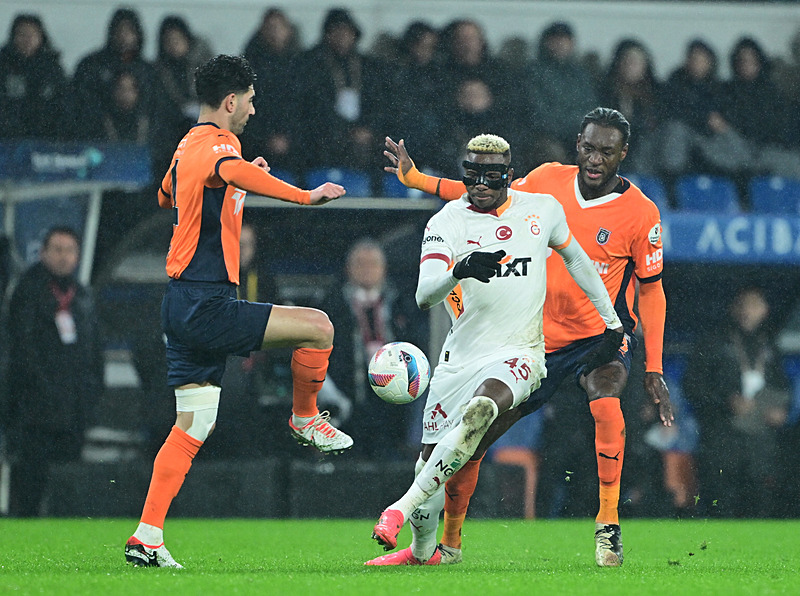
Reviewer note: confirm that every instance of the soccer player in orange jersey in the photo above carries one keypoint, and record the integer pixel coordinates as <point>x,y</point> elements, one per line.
<point>203,321</point>
<point>620,230</point>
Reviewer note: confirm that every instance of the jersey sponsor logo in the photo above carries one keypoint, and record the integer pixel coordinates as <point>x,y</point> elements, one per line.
<point>602,268</point>
<point>447,469</point>
<point>517,266</point>
<point>653,259</point>
<point>456,302</point>
<point>225,148</point>
<point>654,235</point>
<point>503,233</point>
<point>433,426</point>
<point>432,238</point>
<point>602,236</point>
<point>238,198</point>
<point>475,242</point>
<point>438,410</point>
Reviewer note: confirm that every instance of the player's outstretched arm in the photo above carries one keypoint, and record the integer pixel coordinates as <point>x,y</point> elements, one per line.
<point>254,177</point>
<point>652,312</point>
<point>408,174</point>
<point>326,192</point>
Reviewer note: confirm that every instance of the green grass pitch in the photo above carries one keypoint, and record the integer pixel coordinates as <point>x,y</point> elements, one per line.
<point>287,557</point>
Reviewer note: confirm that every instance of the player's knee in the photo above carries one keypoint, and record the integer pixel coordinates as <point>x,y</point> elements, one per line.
<point>203,404</point>
<point>321,328</point>
<point>479,414</point>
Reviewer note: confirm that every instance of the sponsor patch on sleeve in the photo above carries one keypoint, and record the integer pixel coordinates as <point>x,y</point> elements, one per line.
<point>654,236</point>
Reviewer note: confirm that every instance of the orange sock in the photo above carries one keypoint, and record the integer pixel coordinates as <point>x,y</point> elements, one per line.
<point>309,366</point>
<point>609,442</point>
<point>169,469</point>
<point>458,491</point>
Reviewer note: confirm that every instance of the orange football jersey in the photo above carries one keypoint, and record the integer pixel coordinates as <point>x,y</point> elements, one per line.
<point>621,233</point>
<point>207,211</point>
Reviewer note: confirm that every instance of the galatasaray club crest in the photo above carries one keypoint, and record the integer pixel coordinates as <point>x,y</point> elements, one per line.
<point>602,236</point>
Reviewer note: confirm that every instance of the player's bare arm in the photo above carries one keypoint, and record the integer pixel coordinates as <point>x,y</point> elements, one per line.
<point>326,192</point>
<point>652,310</point>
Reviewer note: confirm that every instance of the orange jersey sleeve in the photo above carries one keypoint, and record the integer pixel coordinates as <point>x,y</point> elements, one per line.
<point>444,188</point>
<point>251,178</point>
<point>165,192</point>
<point>653,312</point>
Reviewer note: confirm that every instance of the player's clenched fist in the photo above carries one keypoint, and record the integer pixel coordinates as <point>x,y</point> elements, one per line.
<point>326,192</point>
<point>479,265</point>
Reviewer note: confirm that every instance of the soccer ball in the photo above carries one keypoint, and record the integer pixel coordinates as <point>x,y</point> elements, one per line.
<point>399,372</point>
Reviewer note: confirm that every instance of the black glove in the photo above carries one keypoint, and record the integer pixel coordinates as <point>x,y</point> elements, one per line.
<point>480,265</point>
<point>605,352</point>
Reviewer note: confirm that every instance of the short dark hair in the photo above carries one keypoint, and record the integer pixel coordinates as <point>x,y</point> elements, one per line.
<point>221,76</point>
<point>66,230</point>
<point>608,117</point>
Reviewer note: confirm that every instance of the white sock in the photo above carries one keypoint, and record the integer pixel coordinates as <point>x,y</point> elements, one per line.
<point>301,421</point>
<point>450,454</point>
<point>149,535</point>
<point>424,522</point>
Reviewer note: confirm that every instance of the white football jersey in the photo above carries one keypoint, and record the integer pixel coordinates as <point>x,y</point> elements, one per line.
<point>505,314</point>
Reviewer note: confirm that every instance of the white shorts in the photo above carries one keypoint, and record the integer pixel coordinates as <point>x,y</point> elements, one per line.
<point>451,388</point>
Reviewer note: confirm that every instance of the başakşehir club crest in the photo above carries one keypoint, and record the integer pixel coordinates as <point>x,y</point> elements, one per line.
<point>602,236</point>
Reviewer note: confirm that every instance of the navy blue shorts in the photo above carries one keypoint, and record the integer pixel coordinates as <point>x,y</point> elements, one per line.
<point>204,323</point>
<point>564,362</point>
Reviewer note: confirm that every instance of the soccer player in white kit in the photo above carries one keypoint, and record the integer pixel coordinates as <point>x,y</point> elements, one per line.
<point>484,255</point>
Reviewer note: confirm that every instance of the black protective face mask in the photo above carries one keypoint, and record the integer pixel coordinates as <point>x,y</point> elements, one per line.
<point>482,170</point>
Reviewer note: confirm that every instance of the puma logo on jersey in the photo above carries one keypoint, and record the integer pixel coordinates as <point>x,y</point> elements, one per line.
<point>475,242</point>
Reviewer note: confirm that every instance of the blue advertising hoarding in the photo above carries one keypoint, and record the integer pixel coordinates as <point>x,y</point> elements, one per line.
<point>751,239</point>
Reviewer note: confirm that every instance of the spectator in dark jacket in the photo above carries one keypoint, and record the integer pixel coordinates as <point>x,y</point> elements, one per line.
<point>95,74</point>
<point>275,131</point>
<point>738,390</point>
<point>753,105</point>
<point>419,110</point>
<point>558,91</point>
<point>57,369</point>
<point>343,96</point>
<point>180,52</point>
<point>630,86</point>
<point>32,83</point>
<point>697,138</point>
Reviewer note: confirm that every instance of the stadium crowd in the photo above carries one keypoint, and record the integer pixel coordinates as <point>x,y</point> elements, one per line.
<point>331,105</point>
<point>434,87</point>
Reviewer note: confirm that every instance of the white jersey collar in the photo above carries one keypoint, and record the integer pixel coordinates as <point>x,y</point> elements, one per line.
<point>587,204</point>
